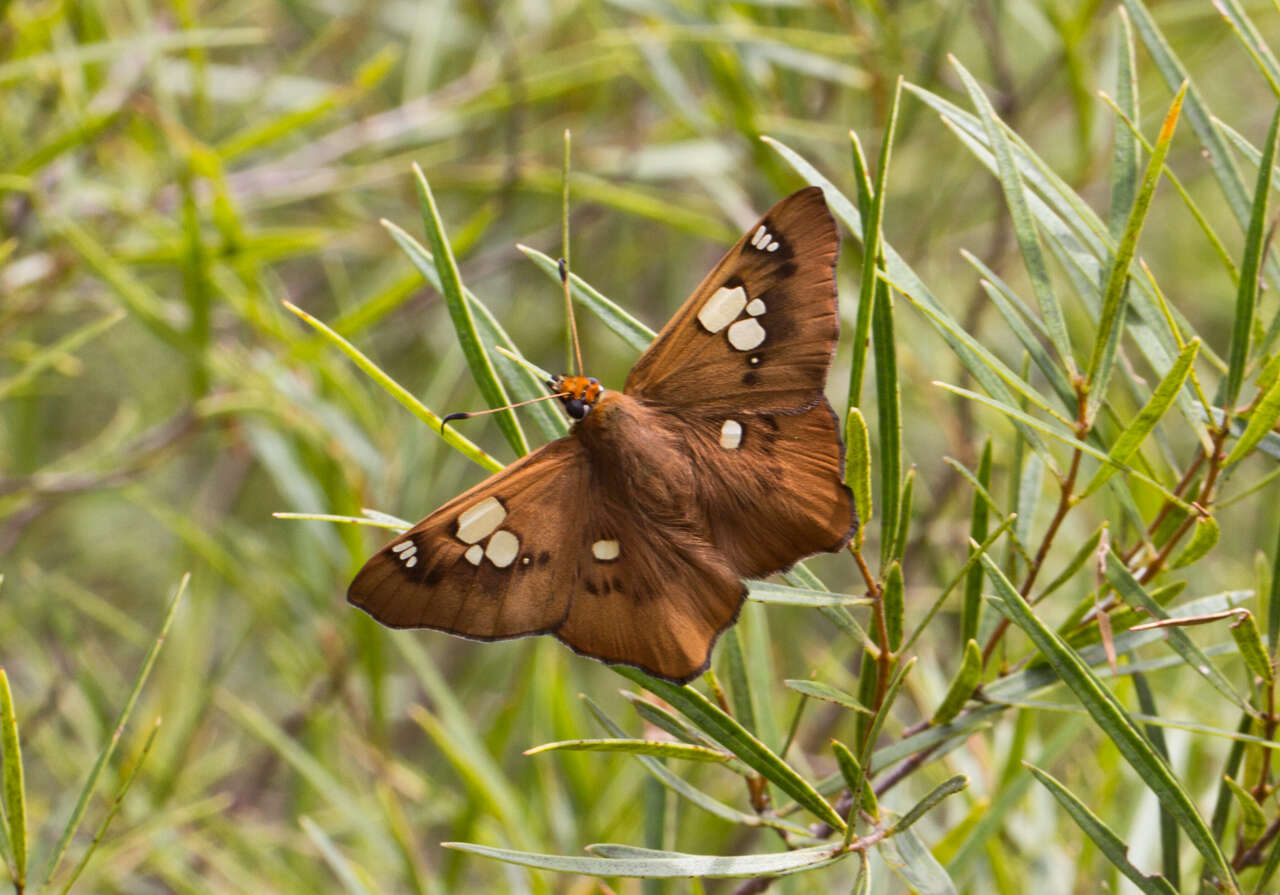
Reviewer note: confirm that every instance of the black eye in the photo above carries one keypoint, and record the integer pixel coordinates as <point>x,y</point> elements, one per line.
<point>576,408</point>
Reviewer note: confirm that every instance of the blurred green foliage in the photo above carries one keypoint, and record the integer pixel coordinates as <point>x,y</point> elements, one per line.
<point>170,174</point>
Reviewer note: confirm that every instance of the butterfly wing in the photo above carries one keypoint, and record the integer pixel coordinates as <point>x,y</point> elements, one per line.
<point>653,593</point>
<point>490,564</point>
<point>770,485</point>
<point>760,330</point>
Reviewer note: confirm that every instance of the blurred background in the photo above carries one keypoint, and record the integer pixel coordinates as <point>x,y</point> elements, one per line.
<point>171,172</point>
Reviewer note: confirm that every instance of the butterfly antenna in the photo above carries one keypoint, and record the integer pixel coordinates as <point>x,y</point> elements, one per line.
<point>568,306</point>
<point>466,415</point>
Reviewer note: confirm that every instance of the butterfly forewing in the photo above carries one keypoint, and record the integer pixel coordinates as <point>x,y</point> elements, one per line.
<point>492,563</point>
<point>760,329</point>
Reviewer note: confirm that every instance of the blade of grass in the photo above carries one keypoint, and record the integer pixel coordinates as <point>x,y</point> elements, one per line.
<point>108,748</point>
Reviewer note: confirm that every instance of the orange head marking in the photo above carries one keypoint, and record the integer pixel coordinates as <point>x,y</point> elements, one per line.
<point>578,393</point>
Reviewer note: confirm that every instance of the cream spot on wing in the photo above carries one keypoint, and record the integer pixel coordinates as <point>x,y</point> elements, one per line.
<point>413,561</point>
<point>503,548</point>
<point>721,308</point>
<point>409,553</point>
<point>605,550</point>
<point>730,435</point>
<point>525,560</point>
<point>402,546</point>
<point>773,246</point>
<point>762,236</point>
<point>746,334</point>
<point>480,521</point>
<point>474,554</point>
<point>755,308</point>
<point>754,360</point>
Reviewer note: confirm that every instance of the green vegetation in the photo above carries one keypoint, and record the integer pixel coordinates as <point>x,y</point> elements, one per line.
<point>226,292</point>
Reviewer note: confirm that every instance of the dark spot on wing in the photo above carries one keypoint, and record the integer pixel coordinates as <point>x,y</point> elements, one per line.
<point>543,558</point>
<point>787,269</point>
<point>751,377</point>
<point>592,589</point>
<point>434,575</point>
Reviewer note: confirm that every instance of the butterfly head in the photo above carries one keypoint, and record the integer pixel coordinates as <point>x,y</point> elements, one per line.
<point>578,393</point>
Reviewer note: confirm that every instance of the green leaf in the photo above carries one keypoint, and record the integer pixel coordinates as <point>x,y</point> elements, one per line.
<point>971,608</point>
<point>1249,639</point>
<point>15,799</point>
<point>827,693</point>
<point>1203,539</point>
<point>903,529</point>
<point>855,778</point>
<point>337,862</point>
<point>739,680</point>
<point>657,748</point>
<point>1151,413</point>
<point>462,444</point>
<point>787,595</point>
<point>1111,717</point>
<point>1261,422</point>
<point>1023,225</point>
<point>893,605</point>
<point>1247,293</point>
<point>889,412</point>
<point>872,204</point>
<point>1252,818</point>
<point>962,685</point>
<point>109,747</point>
<point>734,737</point>
<point>622,324</point>
<point>1124,149</point>
<point>948,787</point>
<point>482,371</point>
<point>47,357</point>
<point>857,467</point>
<point>524,384</point>
<point>1112,846</point>
<point>1131,591</point>
<point>646,863</point>
<point>1112,317</point>
<point>907,856</point>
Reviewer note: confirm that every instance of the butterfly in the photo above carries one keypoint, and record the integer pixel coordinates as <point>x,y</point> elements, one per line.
<point>628,538</point>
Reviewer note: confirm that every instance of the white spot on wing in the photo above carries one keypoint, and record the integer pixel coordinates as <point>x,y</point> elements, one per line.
<point>480,521</point>
<point>503,548</point>
<point>746,334</point>
<point>605,550</point>
<point>755,308</point>
<point>761,237</point>
<point>409,553</point>
<point>474,554</point>
<point>402,546</point>
<point>721,308</point>
<point>773,246</point>
<point>413,561</point>
<point>730,435</point>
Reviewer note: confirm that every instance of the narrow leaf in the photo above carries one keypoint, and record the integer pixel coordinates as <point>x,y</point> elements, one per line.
<point>644,863</point>
<point>946,788</point>
<point>971,609</point>
<point>857,467</point>
<point>827,693</point>
<point>733,736</point>
<point>1252,818</point>
<point>1204,538</point>
<point>908,857</point>
<point>15,799</point>
<point>1111,845</point>
<point>1111,717</point>
<point>482,371</point>
<point>1261,422</point>
<point>1249,639</point>
<point>658,748</point>
<point>1111,320</point>
<point>962,685</point>
<point>1023,225</point>
<point>1247,293</point>
<point>1151,413</point>
<point>889,412</point>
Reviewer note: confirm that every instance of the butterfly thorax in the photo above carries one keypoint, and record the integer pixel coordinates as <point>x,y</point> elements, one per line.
<point>634,447</point>
<point>578,393</point>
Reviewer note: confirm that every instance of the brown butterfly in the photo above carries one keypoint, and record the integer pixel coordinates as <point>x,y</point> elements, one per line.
<point>628,538</point>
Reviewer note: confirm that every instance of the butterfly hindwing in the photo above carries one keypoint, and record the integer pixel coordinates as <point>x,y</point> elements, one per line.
<point>770,485</point>
<point>656,596</point>
<point>491,563</point>
<point>760,329</point>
